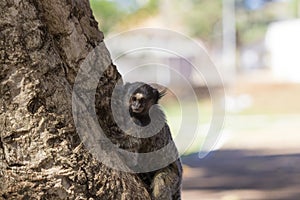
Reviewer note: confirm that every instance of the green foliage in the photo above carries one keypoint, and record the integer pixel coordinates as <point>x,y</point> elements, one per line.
<point>295,8</point>
<point>152,6</point>
<point>201,17</point>
<point>140,15</point>
<point>252,25</point>
<point>107,13</point>
<point>113,15</point>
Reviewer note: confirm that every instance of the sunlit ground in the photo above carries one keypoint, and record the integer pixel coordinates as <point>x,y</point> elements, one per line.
<point>259,149</point>
<point>258,153</point>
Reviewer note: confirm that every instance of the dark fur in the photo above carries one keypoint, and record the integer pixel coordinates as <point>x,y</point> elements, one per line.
<point>165,183</point>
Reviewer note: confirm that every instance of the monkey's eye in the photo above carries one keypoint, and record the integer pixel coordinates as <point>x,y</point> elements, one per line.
<point>142,100</point>
<point>133,98</point>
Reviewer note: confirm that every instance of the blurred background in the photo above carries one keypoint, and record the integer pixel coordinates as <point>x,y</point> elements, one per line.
<point>255,45</point>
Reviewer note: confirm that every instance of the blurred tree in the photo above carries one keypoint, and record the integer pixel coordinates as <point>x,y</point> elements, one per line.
<point>201,17</point>
<point>151,8</point>
<point>296,8</point>
<point>254,17</point>
<point>120,15</point>
<point>108,10</point>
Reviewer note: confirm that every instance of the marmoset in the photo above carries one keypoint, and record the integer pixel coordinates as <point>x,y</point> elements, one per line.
<point>142,99</point>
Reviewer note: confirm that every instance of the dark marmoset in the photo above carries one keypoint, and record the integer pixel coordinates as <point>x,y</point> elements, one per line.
<point>164,183</point>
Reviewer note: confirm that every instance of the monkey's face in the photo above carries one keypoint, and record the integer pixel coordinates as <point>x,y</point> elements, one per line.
<point>140,104</point>
<point>143,98</point>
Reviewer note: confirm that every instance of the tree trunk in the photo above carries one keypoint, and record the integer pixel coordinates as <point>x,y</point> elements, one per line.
<point>42,44</point>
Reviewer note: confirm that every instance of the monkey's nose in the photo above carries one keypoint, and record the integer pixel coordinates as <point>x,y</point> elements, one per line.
<point>136,107</point>
<point>135,104</point>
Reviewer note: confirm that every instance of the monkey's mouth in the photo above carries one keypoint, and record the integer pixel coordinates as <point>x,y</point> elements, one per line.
<point>137,110</point>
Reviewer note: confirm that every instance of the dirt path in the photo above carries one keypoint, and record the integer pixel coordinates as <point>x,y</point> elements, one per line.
<point>233,175</point>
<point>260,164</point>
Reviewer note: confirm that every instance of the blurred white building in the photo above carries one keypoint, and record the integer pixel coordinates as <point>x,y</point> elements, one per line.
<point>283,47</point>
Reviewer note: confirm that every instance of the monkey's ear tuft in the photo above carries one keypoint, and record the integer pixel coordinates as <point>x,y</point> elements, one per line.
<point>162,93</point>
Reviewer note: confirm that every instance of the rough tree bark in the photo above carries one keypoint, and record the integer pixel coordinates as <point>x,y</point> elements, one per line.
<point>42,44</point>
